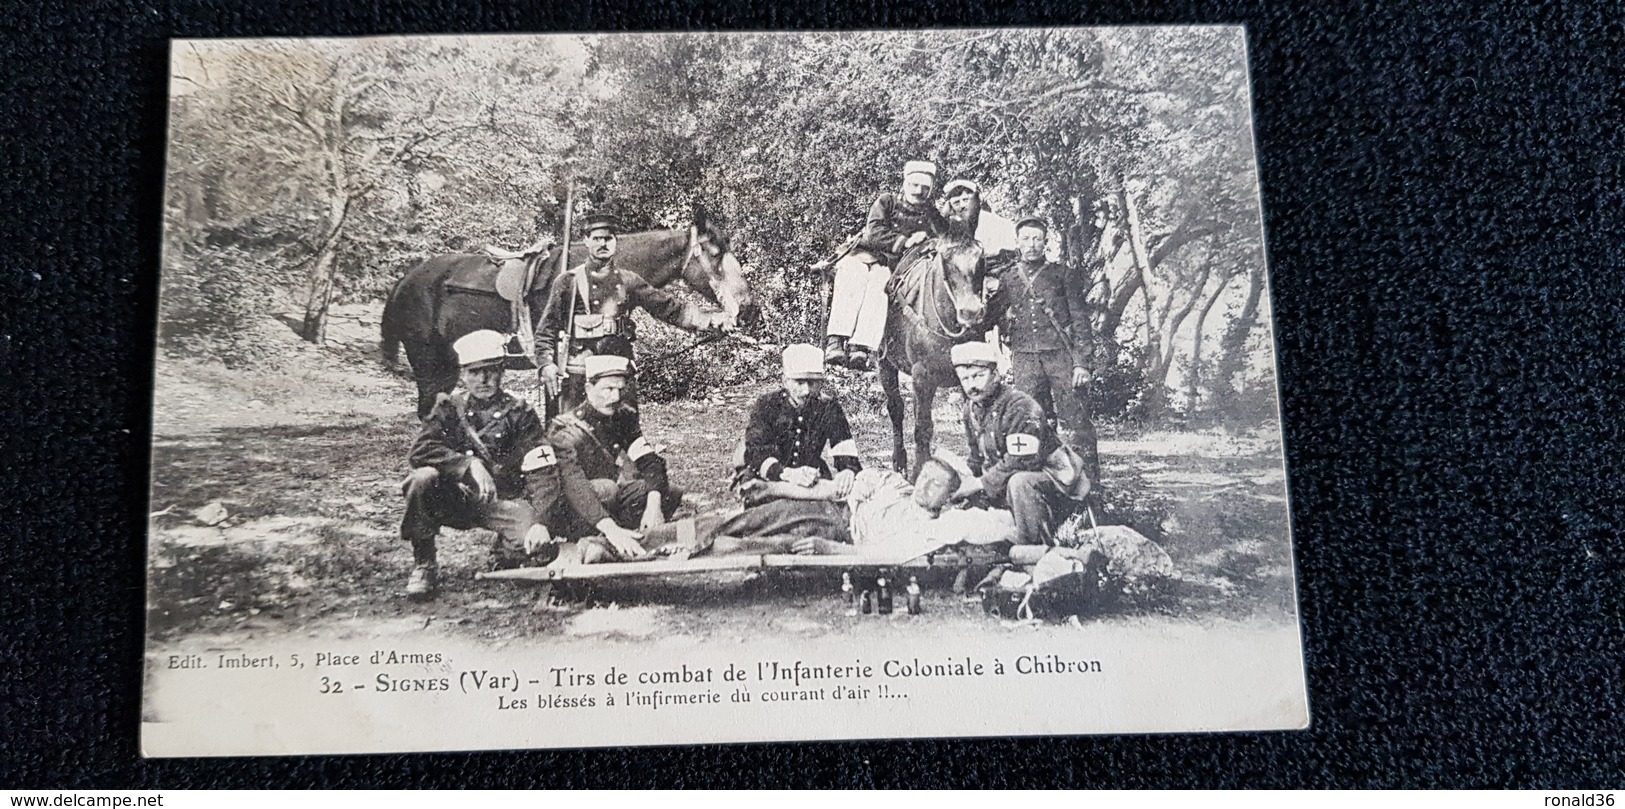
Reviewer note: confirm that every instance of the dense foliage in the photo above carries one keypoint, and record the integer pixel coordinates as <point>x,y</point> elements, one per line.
<point>312,172</point>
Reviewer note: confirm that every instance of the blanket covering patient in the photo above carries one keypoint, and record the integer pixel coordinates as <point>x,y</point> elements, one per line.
<point>882,518</point>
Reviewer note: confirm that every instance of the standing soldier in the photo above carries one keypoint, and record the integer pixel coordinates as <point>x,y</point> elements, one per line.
<point>481,459</point>
<point>1011,448</point>
<point>790,428</point>
<point>1039,311</point>
<point>599,433</point>
<point>857,311</point>
<point>592,302</point>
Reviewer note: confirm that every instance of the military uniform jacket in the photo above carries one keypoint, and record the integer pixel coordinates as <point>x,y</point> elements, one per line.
<point>507,429</point>
<point>780,436</point>
<point>1040,308</point>
<point>891,221</point>
<point>598,441</point>
<point>612,299</point>
<point>1007,436</point>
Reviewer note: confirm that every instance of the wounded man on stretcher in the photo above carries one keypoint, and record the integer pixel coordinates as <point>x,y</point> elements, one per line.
<point>882,518</point>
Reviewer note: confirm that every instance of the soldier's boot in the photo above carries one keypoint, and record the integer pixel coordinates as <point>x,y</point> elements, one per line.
<point>423,583</point>
<point>425,578</point>
<point>857,357</point>
<point>835,350</point>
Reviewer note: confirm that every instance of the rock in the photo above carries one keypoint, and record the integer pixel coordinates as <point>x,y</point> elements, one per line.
<point>1130,555</point>
<point>212,514</point>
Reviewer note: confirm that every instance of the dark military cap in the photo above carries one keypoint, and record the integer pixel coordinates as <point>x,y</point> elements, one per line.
<point>1033,222</point>
<point>598,221</point>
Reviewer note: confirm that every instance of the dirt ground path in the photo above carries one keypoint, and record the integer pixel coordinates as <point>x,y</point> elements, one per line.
<point>277,501</point>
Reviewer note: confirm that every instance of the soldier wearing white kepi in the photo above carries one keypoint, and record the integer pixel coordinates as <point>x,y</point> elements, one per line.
<point>790,428</point>
<point>1022,466</point>
<point>482,460</point>
<point>896,222</point>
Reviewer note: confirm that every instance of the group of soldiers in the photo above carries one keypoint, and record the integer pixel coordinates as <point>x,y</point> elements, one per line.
<point>485,458</point>
<point>1037,308</point>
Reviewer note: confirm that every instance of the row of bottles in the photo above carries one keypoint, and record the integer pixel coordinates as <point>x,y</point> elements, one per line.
<point>880,599</point>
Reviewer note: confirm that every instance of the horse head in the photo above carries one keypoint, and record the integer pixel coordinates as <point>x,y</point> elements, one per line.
<point>961,260</point>
<point>714,271</point>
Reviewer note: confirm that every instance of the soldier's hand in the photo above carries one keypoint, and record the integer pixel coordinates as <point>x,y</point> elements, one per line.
<point>626,543</point>
<point>719,321</point>
<point>485,487</point>
<point>969,488</point>
<point>914,238</point>
<point>1080,377</point>
<point>843,482</point>
<point>803,476</point>
<point>551,378</point>
<point>537,538</point>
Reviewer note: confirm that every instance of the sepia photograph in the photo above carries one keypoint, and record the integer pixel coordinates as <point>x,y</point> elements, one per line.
<point>626,389</point>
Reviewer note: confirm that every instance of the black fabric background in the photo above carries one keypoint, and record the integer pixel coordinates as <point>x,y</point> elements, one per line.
<point>1442,183</point>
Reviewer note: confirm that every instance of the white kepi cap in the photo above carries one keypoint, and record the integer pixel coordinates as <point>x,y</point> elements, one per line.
<point>974,354</point>
<point>480,347</point>
<point>920,167</point>
<point>803,361</point>
<point>598,366</point>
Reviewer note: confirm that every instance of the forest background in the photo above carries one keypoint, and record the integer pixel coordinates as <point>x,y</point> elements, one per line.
<point>308,175</point>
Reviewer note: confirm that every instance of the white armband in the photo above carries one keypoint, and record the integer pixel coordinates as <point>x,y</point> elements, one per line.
<point>541,457</point>
<point>1021,445</point>
<point>847,447</point>
<point>769,468</point>
<point>639,448</point>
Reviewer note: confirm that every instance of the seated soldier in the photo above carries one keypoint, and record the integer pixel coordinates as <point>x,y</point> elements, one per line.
<point>881,517</point>
<point>963,207</point>
<point>482,460</point>
<point>790,428</point>
<point>600,432</point>
<point>858,306</point>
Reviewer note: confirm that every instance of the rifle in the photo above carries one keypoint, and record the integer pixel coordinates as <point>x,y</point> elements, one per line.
<point>565,338</point>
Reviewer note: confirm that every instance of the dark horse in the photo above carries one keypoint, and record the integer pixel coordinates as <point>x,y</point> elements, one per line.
<point>936,302</point>
<point>445,297</point>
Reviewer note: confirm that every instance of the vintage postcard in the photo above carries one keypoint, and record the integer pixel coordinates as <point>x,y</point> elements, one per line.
<point>634,389</point>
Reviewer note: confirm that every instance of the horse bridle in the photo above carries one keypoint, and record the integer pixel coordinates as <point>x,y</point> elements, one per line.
<point>693,250</point>
<point>941,329</point>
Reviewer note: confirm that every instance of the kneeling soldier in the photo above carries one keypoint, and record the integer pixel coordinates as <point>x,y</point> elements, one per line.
<point>599,433</point>
<point>1013,449</point>
<point>790,428</point>
<point>482,460</point>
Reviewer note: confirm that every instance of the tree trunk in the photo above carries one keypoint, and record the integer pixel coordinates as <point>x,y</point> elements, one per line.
<point>319,292</point>
<point>1155,400</point>
<point>1142,271</point>
<point>1233,345</point>
<point>1194,378</point>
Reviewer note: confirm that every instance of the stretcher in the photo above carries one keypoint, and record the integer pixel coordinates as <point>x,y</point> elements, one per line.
<point>567,568</point>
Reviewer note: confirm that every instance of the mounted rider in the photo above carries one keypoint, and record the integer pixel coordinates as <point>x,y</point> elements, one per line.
<point>896,222</point>
<point>964,207</point>
<point>592,303</point>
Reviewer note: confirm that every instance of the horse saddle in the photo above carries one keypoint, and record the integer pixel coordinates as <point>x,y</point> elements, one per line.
<point>502,277</point>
